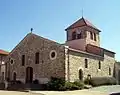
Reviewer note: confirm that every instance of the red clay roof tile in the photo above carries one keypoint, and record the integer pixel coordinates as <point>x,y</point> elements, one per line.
<point>3,52</point>
<point>82,22</point>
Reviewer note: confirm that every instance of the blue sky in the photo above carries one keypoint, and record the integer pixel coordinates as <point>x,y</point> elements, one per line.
<point>49,18</point>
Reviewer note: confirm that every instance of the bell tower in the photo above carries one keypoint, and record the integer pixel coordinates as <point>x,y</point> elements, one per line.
<point>81,33</point>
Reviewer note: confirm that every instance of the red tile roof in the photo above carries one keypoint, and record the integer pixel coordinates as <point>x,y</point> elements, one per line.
<point>96,49</point>
<point>82,22</point>
<point>3,52</point>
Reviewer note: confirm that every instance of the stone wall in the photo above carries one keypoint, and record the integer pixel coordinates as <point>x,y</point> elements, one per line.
<point>46,67</point>
<point>117,72</point>
<point>77,62</point>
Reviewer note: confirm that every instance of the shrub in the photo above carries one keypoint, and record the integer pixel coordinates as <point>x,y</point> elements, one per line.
<point>97,81</point>
<point>18,82</point>
<point>55,84</point>
<point>80,84</point>
<point>36,81</point>
<point>87,81</point>
<point>60,84</point>
<point>70,86</point>
<point>15,82</point>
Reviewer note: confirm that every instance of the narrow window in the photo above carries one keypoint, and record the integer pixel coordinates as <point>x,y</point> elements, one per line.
<point>86,63</point>
<point>80,74</point>
<point>23,60</point>
<point>91,35</point>
<point>73,35</point>
<point>37,58</point>
<point>109,71</point>
<point>94,37</point>
<point>99,67</point>
<point>11,61</point>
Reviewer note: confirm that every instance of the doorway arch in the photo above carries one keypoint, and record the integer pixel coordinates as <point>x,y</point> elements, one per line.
<point>14,76</point>
<point>80,74</point>
<point>29,75</point>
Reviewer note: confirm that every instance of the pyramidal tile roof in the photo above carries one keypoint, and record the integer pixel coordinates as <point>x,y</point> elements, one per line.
<point>3,52</point>
<point>82,22</point>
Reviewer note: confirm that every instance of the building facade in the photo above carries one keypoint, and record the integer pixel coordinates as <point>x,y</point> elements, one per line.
<point>86,57</point>
<point>36,58</point>
<point>81,56</point>
<point>3,55</point>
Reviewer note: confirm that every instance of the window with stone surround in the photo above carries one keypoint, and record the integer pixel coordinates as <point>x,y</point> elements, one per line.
<point>53,54</point>
<point>23,60</point>
<point>99,65</point>
<point>86,63</point>
<point>37,58</point>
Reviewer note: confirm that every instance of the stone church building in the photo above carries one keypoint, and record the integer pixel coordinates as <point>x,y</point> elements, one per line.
<point>80,56</point>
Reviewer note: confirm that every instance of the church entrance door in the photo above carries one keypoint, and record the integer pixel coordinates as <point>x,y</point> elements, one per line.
<point>29,75</point>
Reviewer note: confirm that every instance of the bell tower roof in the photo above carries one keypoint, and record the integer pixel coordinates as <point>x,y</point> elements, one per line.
<point>82,22</point>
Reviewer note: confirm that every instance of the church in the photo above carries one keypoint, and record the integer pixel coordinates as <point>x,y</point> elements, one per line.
<point>38,58</point>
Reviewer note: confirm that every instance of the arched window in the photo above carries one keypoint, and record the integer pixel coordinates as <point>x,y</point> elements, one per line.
<point>73,35</point>
<point>99,65</point>
<point>80,74</point>
<point>86,63</point>
<point>91,35</point>
<point>109,71</point>
<point>37,58</point>
<point>14,76</point>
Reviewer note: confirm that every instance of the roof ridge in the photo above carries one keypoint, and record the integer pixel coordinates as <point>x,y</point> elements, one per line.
<point>82,22</point>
